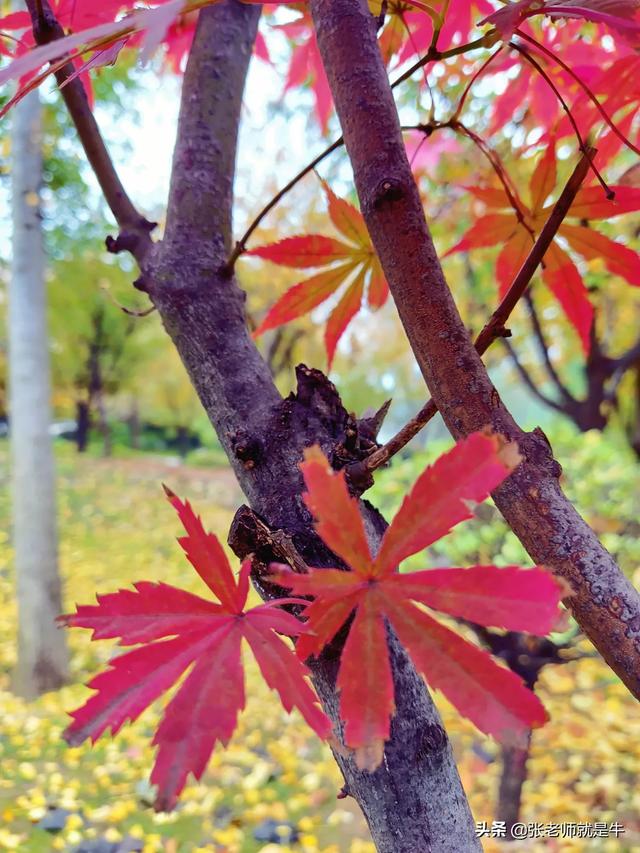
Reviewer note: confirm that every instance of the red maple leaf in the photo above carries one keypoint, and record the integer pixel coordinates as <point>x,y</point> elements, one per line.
<point>306,66</point>
<point>205,636</point>
<point>560,274</point>
<point>354,261</point>
<point>494,698</point>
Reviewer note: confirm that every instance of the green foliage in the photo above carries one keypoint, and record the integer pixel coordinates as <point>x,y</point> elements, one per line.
<point>92,339</point>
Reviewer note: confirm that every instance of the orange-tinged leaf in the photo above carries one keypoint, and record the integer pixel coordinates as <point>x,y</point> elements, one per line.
<point>151,611</point>
<point>563,279</point>
<point>440,498</point>
<point>329,583</point>
<point>338,519</point>
<point>304,297</point>
<point>207,642</point>
<point>492,697</point>
<point>347,219</point>
<point>134,680</point>
<point>494,197</point>
<point>312,250</point>
<point>190,727</point>
<point>618,258</point>
<point>511,258</point>
<point>487,231</point>
<point>343,314</point>
<point>544,179</point>
<point>378,292</point>
<point>327,617</point>
<point>286,674</point>
<point>510,597</point>
<point>357,256</point>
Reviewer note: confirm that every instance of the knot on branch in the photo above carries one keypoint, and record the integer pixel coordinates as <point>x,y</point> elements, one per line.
<point>537,449</point>
<point>387,191</point>
<point>251,536</point>
<point>353,439</point>
<point>432,745</point>
<point>131,239</point>
<point>248,449</point>
<point>142,283</point>
<point>523,653</point>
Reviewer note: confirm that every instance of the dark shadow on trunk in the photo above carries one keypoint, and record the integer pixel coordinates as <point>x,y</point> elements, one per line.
<point>83,425</point>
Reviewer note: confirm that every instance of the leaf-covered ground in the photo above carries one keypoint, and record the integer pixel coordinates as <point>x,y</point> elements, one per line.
<point>274,788</point>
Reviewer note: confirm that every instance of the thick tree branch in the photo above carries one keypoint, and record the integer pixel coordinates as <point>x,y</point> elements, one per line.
<point>603,602</point>
<point>135,230</point>
<point>416,796</point>
<point>494,329</point>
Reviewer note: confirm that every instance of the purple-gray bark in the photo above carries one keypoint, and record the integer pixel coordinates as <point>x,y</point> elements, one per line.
<point>414,801</point>
<point>603,601</point>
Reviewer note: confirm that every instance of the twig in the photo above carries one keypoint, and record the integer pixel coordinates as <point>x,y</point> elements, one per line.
<point>135,229</point>
<point>528,381</point>
<point>432,55</point>
<point>495,327</point>
<point>131,312</point>
<point>569,70</point>
<point>581,143</point>
<point>498,168</point>
<point>627,359</point>
<point>544,350</point>
<point>242,242</point>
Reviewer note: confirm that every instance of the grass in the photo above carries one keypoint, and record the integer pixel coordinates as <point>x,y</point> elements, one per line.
<point>115,527</point>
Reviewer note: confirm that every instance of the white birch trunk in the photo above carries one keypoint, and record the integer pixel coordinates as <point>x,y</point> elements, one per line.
<point>42,654</point>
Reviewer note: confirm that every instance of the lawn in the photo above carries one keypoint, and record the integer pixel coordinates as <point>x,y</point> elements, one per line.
<point>275,787</point>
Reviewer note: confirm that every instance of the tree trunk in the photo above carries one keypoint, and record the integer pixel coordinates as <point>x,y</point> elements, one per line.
<point>514,775</point>
<point>103,426</point>
<point>133,422</point>
<point>42,653</point>
<point>83,425</point>
<point>414,801</point>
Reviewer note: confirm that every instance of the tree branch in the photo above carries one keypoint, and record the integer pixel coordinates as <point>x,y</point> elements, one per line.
<point>528,381</point>
<point>603,601</point>
<point>241,244</point>
<point>359,473</point>
<point>544,352</point>
<point>264,436</point>
<point>624,362</point>
<point>135,229</point>
<point>432,55</point>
